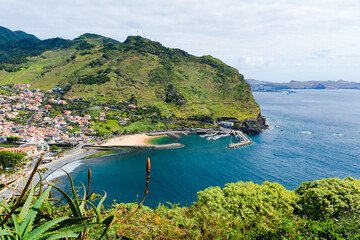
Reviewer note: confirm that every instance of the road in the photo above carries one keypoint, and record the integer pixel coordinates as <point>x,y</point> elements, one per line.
<point>28,123</point>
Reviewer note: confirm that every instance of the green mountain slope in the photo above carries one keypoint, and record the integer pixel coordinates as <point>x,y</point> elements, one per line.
<point>140,71</point>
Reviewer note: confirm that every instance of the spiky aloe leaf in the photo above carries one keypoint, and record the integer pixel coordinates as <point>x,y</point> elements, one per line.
<point>78,228</point>
<point>101,202</point>
<point>26,207</point>
<point>4,233</point>
<point>27,228</point>
<point>95,209</point>
<point>73,206</point>
<point>98,208</point>
<point>2,203</point>
<point>15,234</point>
<point>107,222</point>
<point>67,232</point>
<point>72,187</point>
<point>90,194</point>
<point>74,221</point>
<point>82,205</point>
<point>16,223</point>
<point>26,225</point>
<point>36,234</point>
<point>62,236</point>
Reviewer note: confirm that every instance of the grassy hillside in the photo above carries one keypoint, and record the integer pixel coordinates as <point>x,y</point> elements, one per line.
<point>141,71</point>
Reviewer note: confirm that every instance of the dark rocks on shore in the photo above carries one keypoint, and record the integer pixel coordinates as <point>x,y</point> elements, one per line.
<point>252,126</point>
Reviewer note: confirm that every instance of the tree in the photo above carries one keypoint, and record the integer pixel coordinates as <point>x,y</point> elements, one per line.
<point>9,159</point>
<point>12,139</point>
<point>133,99</point>
<point>54,148</point>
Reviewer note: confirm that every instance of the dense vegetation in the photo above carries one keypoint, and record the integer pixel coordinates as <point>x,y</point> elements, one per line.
<point>238,211</point>
<point>250,211</point>
<point>323,209</point>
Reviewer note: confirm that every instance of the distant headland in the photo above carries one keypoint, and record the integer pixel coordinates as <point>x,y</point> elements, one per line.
<point>263,86</point>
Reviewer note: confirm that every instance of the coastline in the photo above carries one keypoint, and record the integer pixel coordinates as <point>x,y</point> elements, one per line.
<point>139,140</point>
<point>63,161</point>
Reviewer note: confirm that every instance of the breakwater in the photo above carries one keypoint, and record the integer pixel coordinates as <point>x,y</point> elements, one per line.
<point>244,140</point>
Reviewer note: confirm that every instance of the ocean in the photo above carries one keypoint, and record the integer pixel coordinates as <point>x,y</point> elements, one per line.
<point>313,134</point>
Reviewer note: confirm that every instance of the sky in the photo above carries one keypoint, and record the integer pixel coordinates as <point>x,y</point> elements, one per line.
<point>269,40</point>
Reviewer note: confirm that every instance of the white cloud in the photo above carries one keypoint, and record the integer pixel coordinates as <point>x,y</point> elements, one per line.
<point>264,39</point>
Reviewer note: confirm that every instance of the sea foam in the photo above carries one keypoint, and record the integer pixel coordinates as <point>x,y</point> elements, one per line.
<point>68,167</point>
<point>306,132</point>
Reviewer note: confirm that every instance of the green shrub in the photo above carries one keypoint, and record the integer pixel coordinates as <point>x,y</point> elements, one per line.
<point>247,199</point>
<point>84,45</point>
<point>94,79</point>
<point>328,198</point>
<point>260,211</point>
<point>9,159</point>
<point>345,227</point>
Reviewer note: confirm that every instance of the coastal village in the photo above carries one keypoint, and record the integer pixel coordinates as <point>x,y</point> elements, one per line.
<point>39,130</point>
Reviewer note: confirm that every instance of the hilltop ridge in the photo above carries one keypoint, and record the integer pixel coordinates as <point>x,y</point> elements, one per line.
<point>6,35</point>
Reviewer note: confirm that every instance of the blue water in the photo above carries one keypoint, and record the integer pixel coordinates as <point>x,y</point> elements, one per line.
<point>314,134</point>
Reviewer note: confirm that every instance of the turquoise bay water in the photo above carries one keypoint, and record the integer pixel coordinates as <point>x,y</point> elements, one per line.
<point>314,134</point>
<point>160,140</point>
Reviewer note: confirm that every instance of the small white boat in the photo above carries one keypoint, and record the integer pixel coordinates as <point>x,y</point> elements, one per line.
<point>216,137</point>
<point>208,135</point>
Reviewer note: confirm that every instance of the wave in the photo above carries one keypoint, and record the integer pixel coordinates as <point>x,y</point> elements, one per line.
<point>306,132</point>
<point>68,167</point>
<point>338,134</point>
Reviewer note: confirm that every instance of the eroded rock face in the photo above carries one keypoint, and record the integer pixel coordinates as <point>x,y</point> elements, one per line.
<point>261,122</point>
<point>174,96</point>
<point>252,126</point>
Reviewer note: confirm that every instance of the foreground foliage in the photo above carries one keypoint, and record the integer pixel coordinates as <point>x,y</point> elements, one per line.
<point>34,215</point>
<point>323,209</point>
<point>245,210</point>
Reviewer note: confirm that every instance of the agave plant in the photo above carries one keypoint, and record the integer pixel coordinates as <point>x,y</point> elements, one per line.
<point>23,218</point>
<point>22,225</point>
<point>77,206</point>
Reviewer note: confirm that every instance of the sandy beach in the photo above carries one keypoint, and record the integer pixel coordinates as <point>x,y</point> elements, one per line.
<point>131,140</point>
